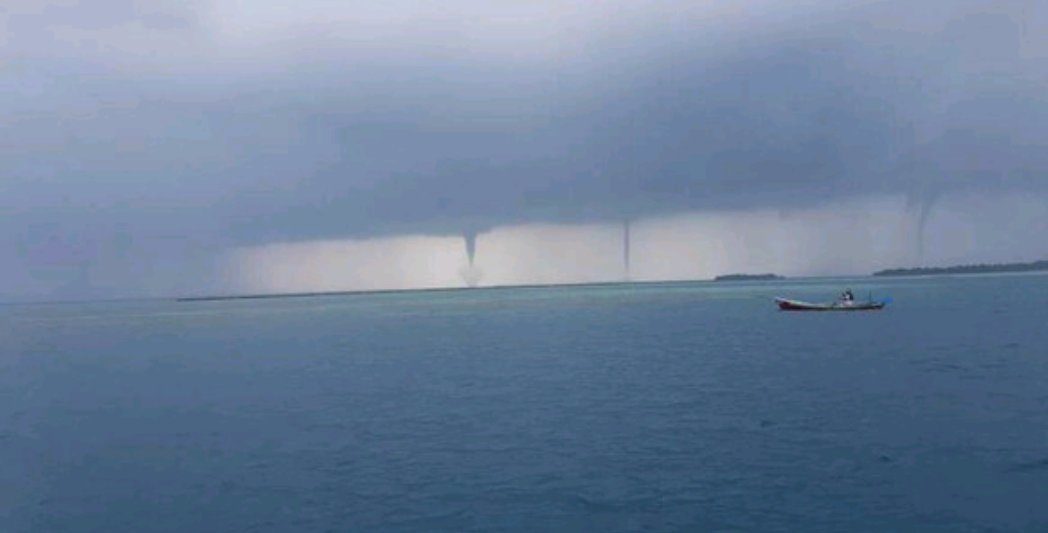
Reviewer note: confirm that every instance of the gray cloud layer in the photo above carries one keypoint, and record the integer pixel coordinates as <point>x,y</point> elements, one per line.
<point>139,132</point>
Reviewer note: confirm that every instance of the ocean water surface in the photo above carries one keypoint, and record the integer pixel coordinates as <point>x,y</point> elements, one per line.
<point>670,407</point>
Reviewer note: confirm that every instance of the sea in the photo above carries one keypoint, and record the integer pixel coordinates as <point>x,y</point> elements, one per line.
<point>691,406</point>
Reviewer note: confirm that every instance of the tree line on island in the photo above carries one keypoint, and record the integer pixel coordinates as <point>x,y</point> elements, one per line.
<point>965,269</point>
<point>748,277</point>
<point>982,268</point>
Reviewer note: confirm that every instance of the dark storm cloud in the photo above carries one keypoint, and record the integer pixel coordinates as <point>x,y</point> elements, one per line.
<point>845,105</point>
<point>136,130</point>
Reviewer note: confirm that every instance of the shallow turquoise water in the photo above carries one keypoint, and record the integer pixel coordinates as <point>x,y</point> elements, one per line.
<point>668,407</point>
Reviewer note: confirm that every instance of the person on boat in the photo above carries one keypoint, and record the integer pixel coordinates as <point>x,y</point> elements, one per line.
<point>848,297</point>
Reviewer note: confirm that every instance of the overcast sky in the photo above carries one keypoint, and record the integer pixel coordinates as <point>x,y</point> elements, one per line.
<point>157,147</point>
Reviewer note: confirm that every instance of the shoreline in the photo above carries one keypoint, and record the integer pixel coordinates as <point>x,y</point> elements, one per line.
<point>320,294</point>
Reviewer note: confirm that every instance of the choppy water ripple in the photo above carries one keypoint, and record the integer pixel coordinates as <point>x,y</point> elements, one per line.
<point>664,407</point>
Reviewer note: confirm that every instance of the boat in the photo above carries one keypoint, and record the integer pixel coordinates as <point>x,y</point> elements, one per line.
<point>786,304</point>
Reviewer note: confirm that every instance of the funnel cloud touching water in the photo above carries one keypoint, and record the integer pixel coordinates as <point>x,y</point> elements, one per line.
<point>148,148</point>
<point>853,237</point>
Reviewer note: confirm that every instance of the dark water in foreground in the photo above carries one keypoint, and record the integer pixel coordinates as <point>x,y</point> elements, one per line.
<point>673,407</point>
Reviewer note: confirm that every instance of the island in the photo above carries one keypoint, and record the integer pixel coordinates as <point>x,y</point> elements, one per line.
<point>748,277</point>
<point>966,269</point>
